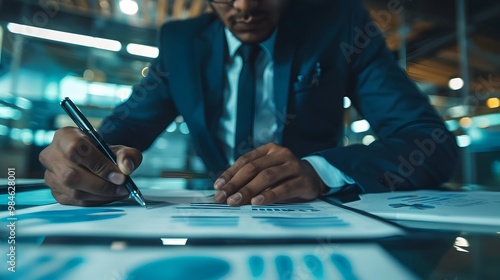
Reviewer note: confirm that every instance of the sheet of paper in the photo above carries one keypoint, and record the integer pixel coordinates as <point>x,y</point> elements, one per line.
<point>315,261</point>
<point>195,215</point>
<point>474,208</point>
<point>31,198</point>
<point>23,181</point>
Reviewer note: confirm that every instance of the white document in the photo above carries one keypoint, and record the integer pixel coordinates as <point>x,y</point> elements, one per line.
<point>192,214</point>
<point>478,208</point>
<point>294,262</point>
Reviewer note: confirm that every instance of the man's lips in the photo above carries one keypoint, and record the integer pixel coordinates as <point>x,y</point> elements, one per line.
<point>249,23</point>
<point>250,19</point>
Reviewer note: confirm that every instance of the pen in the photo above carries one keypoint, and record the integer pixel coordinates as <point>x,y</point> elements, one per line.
<point>81,121</point>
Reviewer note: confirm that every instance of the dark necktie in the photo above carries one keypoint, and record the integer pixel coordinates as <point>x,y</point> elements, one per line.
<point>246,99</point>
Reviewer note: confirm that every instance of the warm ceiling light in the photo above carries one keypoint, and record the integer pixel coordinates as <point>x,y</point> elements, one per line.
<point>104,4</point>
<point>129,7</point>
<point>493,103</point>
<point>145,71</point>
<point>88,75</point>
<point>465,122</point>
<point>456,83</point>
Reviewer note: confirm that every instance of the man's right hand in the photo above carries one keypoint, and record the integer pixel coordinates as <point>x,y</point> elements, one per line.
<point>79,174</point>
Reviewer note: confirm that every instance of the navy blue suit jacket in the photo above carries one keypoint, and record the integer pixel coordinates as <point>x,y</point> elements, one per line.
<point>413,149</point>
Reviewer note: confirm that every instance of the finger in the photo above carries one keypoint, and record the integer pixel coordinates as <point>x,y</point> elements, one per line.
<point>239,189</point>
<point>242,177</point>
<point>78,149</point>
<point>70,178</point>
<point>287,190</point>
<point>128,159</point>
<point>239,163</point>
<point>266,179</point>
<point>68,200</point>
<point>45,157</point>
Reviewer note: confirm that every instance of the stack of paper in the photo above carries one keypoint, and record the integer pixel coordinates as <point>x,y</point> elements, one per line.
<point>474,209</point>
<point>192,214</point>
<point>314,261</point>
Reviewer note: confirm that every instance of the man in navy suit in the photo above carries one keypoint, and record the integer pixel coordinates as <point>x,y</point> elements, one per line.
<point>304,56</point>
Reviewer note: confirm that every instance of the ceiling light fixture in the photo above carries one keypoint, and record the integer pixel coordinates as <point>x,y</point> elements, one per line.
<point>174,241</point>
<point>65,37</point>
<point>493,103</point>
<point>129,7</point>
<point>360,126</point>
<point>463,141</point>
<point>465,122</point>
<point>368,139</point>
<point>347,102</point>
<point>456,83</point>
<point>143,50</point>
<point>1,44</point>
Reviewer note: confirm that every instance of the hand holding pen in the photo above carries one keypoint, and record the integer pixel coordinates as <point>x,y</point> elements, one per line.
<point>79,173</point>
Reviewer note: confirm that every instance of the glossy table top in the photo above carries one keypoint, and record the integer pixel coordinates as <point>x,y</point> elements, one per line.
<point>421,254</point>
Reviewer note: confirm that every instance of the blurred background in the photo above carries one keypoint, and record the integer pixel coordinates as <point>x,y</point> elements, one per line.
<point>94,51</point>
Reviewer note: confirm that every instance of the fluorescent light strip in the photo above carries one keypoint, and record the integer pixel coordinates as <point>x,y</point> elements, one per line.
<point>174,241</point>
<point>143,50</point>
<point>1,44</point>
<point>65,37</point>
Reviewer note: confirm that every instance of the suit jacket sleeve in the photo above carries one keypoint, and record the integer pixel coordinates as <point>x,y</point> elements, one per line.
<point>414,149</point>
<point>139,120</point>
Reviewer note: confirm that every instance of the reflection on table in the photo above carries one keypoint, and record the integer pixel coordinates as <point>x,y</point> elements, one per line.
<point>89,254</point>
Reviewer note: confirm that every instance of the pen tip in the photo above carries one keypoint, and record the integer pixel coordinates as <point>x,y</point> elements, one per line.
<point>140,200</point>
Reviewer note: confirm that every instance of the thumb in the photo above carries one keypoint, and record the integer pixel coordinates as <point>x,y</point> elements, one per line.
<point>128,159</point>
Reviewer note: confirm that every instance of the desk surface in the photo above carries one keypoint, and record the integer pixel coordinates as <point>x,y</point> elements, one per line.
<point>422,254</point>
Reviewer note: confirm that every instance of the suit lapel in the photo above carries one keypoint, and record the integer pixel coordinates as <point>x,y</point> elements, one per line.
<point>211,46</point>
<point>284,50</point>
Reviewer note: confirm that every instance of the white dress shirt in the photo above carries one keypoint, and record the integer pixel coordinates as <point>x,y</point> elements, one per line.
<point>265,121</point>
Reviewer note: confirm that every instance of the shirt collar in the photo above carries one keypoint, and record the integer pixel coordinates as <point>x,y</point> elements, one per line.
<point>233,44</point>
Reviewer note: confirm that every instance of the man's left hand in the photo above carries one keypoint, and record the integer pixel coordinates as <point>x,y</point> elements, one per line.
<point>266,175</point>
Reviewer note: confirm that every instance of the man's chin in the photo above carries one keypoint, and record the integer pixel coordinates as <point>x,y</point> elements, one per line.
<point>253,37</point>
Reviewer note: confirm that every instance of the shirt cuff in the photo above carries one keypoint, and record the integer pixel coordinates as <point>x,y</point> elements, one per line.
<point>329,174</point>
